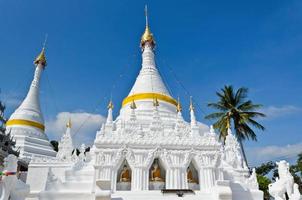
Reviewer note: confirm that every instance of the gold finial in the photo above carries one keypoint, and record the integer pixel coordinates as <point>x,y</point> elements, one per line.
<point>178,107</point>
<point>110,105</point>
<point>68,125</point>
<point>133,105</point>
<point>147,36</point>
<point>155,102</point>
<point>41,59</point>
<point>191,104</point>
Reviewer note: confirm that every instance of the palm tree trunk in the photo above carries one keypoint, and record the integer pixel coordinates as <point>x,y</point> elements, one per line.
<point>243,153</point>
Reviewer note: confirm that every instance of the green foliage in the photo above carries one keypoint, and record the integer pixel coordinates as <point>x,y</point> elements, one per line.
<point>263,182</point>
<point>7,144</point>
<point>234,109</point>
<point>265,168</point>
<point>264,179</point>
<point>55,145</point>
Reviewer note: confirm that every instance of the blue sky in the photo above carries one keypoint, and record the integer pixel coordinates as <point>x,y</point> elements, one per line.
<point>93,51</point>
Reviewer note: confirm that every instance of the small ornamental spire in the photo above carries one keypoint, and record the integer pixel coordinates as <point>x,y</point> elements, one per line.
<point>110,116</point>
<point>41,59</point>
<point>110,105</point>
<point>147,36</point>
<point>155,102</point>
<point>178,107</point>
<point>68,125</point>
<point>191,104</point>
<point>192,114</point>
<point>133,105</point>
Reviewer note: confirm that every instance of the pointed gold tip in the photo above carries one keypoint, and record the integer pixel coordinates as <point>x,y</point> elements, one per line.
<point>155,102</point>
<point>110,105</point>
<point>133,105</point>
<point>178,107</point>
<point>41,59</point>
<point>68,125</point>
<point>147,36</point>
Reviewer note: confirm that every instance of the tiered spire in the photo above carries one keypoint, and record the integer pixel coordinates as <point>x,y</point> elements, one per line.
<point>147,37</point>
<point>65,147</point>
<point>149,84</point>
<point>29,112</point>
<point>110,108</point>
<point>192,113</point>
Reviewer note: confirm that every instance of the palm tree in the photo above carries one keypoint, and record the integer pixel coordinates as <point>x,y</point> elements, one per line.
<point>235,110</point>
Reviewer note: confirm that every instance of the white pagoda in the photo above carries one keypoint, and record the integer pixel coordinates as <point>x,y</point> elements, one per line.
<point>26,124</point>
<point>148,152</point>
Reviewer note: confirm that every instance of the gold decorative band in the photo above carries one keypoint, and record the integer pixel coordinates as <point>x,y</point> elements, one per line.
<point>142,96</point>
<point>26,123</point>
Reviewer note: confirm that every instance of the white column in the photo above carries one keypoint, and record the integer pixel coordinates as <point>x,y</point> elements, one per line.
<point>176,178</point>
<point>139,179</point>
<point>206,177</point>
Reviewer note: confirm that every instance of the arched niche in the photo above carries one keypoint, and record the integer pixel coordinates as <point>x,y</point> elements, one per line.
<point>157,174</point>
<point>192,177</point>
<point>124,176</point>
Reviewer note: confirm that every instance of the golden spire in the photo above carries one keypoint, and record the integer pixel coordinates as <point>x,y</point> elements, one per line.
<point>155,102</point>
<point>191,104</point>
<point>147,36</point>
<point>133,105</point>
<point>110,105</point>
<point>68,125</point>
<point>41,59</point>
<point>178,107</point>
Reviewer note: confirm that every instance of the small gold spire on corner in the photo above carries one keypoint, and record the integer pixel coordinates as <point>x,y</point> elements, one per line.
<point>191,104</point>
<point>110,105</point>
<point>41,59</point>
<point>155,102</point>
<point>147,36</point>
<point>68,125</point>
<point>178,107</point>
<point>133,105</point>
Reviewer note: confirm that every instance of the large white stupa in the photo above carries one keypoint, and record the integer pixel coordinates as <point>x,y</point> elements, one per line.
<point>148,152</point>
<point>26,124</point>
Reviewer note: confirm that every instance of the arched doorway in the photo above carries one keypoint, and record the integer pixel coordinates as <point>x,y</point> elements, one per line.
<point>124,177</point>
<point>157,174</point>
<point>192,177</point>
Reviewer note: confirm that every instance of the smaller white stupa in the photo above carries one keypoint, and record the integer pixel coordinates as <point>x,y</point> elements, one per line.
<point>26,124</point>
<point>65,147</point>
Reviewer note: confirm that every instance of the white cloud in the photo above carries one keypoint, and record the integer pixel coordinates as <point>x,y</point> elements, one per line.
<point>274,111</point>
<point>84,126</point>
<point>258,155</point>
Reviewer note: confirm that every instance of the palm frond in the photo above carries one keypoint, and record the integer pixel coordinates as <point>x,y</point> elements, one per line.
<point>215,115</point>
<point>240,95</point>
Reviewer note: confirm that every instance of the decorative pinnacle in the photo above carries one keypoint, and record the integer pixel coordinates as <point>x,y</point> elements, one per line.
<point>41,59</point>
<point>68,125</point>
<point>178,107</point>
<point>147,36</point>
<point>133,105</point>
<point>191,104</point>
<point>146,15</point>
<point>155,102</point>
<point>110,105</point>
